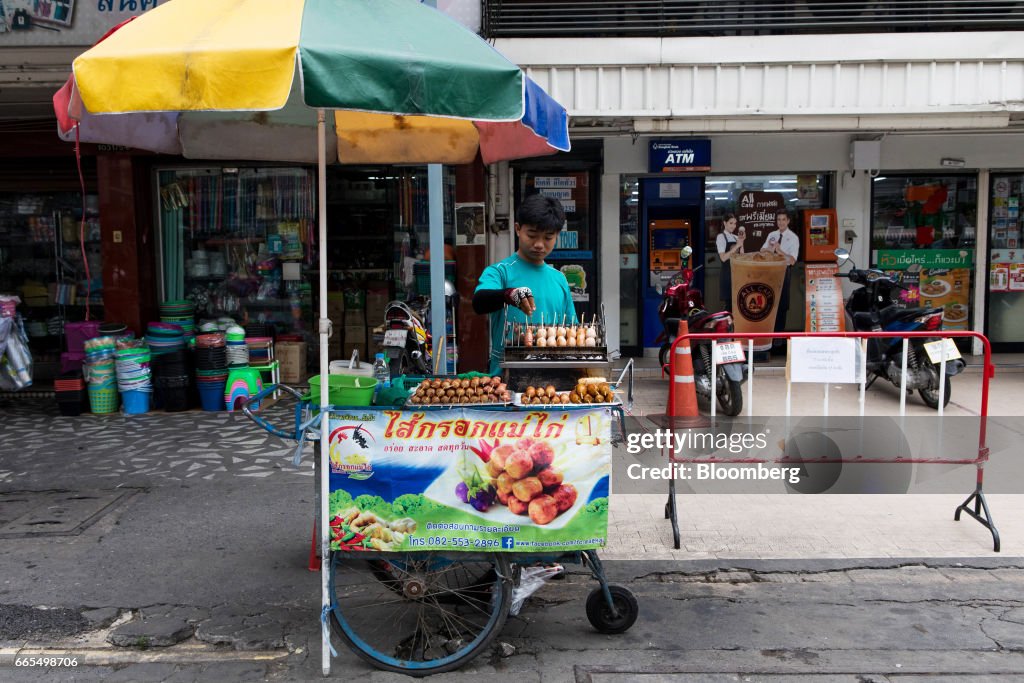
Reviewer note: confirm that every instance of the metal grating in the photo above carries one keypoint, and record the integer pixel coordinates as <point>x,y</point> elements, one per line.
<point>544,19</point>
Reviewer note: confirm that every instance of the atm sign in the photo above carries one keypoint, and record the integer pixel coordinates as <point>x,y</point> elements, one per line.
<point>679,156</point>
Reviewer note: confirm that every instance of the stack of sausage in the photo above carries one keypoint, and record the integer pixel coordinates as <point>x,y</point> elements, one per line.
<point>458,391</point>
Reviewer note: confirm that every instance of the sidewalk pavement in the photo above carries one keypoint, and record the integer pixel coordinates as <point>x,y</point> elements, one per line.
<point>194,528</point>
<point>147,451</point>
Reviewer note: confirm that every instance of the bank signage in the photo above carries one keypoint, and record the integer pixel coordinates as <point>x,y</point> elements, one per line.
<point>677,156</point>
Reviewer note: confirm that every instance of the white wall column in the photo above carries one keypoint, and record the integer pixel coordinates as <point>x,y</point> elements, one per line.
<point>980,259</point>
<point>608,229</point>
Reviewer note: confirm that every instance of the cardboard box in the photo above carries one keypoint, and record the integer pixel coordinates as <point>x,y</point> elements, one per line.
<point>336,314</point>
<point>292,356</point>
<point>376,302</point>
<point>352,318</point>
<point>354,334</point>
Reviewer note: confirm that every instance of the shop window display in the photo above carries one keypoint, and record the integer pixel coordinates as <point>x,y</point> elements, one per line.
<point>236,242</point>
<point>1006,263</point>
<point>43,261</point>
<point>929,221</point>
<point>241,243</point>
<point>795,193</point>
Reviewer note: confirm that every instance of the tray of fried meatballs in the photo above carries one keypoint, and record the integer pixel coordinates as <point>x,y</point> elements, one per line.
<point>590,390</point>
<point>477,391</point>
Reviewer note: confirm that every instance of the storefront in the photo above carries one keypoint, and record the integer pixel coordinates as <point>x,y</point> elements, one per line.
<point>1004,302</point>
<point>929,220</point>
<point>961,225</point>
<point>572,178</point>
<point>693,215</point>
<point>50,253</point>
<point>239,242</point>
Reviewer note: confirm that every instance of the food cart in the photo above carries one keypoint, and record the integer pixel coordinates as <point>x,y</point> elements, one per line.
<point>441,512</point>
<point>391,81</point>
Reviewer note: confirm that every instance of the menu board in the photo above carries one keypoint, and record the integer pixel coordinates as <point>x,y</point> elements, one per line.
<point>824,300</point>
<point>943,281</point>
<point>950,289</point>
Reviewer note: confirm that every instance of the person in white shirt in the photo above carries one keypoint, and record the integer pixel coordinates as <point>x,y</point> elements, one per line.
<point>783,241</point>
<point>729,243</point>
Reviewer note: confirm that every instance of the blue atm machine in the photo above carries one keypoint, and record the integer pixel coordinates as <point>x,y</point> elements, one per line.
<point>672,216</point>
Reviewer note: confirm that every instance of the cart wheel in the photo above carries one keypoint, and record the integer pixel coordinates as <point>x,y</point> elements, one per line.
<point>600,615</point>
<point>422,613</point>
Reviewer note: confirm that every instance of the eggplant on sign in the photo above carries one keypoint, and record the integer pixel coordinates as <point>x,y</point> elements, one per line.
<point>469,480</point>
<point>756,216</point>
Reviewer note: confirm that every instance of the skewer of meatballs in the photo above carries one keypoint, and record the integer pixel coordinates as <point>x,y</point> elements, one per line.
<point>574,335</point>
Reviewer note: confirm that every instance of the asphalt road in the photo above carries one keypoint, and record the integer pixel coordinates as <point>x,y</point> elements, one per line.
<point>205,523</point>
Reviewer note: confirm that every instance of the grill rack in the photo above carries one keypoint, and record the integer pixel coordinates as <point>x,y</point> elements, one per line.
<point>519,352</point>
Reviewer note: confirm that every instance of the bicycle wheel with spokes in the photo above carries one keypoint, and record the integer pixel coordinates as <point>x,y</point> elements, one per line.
<point>421,613</point>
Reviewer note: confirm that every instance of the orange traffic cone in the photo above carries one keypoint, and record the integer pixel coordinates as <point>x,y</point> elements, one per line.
<point>682,393</point>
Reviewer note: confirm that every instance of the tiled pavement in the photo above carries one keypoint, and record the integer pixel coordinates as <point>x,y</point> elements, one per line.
<point>781,526</point>
<point>211,446</point>
<point>140,448</point>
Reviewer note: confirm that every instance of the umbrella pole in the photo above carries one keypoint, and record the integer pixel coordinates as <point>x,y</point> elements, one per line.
<point>324,330</point>
<point>438,307</point>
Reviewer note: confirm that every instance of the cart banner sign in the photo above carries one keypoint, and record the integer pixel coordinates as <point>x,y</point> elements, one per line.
<point>469,480</point>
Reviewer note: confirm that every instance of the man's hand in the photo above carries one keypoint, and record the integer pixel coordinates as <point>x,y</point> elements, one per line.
<point>521,298</point>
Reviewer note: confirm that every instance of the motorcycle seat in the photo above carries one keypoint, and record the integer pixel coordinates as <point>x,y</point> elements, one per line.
<point>863,320</point>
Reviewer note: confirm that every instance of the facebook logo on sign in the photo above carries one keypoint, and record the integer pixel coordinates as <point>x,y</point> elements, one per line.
<point>508,543</point>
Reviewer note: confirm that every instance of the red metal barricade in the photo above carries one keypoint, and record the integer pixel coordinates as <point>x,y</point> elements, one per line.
<point>975,505</point>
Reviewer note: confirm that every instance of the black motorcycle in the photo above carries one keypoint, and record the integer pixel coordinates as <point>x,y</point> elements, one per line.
<point>875,307</point>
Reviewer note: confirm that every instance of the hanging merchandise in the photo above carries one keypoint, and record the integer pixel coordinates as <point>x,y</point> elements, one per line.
<point>15,357</point>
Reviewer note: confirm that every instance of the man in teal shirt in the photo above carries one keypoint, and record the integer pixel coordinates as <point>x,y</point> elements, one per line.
<point>531,289</point>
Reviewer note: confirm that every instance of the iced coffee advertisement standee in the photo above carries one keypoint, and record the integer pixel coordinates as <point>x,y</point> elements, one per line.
<point>944,280</point>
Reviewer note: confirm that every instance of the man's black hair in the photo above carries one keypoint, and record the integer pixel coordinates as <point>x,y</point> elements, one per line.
<point>543,213</point>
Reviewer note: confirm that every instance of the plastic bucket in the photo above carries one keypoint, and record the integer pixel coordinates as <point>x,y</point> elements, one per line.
<point>211,395</point>
<point>344,390</point>
<point>341,367</point>
<point>103,401</point>
<point>135,402</point>
<point>175,399</point>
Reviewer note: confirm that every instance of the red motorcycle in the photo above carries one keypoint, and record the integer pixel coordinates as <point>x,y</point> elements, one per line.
<point>683,301</point>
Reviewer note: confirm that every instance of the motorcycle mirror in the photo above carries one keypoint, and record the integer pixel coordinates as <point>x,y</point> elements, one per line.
<point>685,252</point>
<point>841,255</point>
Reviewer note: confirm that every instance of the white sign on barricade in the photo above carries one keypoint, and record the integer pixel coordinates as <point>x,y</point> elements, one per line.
<point>825,360</point>
<point>937,349</point>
